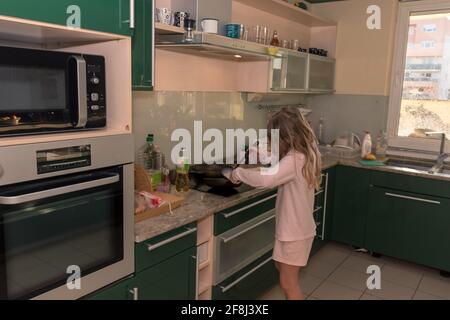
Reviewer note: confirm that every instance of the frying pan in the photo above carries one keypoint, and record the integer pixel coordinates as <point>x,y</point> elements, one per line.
<point>212,176</point>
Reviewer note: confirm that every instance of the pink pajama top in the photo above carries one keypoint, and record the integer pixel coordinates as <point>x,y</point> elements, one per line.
<point>295,200</point>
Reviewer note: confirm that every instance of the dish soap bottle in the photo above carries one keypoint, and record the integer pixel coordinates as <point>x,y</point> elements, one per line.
<point>182,169</point>
<point>366,145</point>
<point>154,160</point>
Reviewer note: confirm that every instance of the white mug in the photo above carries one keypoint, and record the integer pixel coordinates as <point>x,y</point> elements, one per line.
<point>210,25</point>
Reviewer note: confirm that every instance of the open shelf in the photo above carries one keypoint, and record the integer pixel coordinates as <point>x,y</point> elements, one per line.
<point>289,11</point>
<point>46,35</point>
<point>164,29</point>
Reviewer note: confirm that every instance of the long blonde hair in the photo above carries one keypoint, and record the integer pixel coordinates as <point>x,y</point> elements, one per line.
<point>296,134</point>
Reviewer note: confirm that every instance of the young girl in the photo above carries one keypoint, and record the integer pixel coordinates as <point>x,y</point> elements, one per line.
<point>298,177</point>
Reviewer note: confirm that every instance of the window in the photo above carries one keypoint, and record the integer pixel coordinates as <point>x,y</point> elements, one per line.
<point>428,44</point>
<point>430,28</point>
<point>420,91</point>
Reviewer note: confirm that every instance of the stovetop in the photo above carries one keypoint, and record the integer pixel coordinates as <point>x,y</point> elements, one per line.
<point>223,192</point>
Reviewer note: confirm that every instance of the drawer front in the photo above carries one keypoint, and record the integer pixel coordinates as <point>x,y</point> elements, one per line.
<point>412,184</point>
<point>158,249</point>
<point>249,283</point>
<point>238,247</point>
<point>234,216</point>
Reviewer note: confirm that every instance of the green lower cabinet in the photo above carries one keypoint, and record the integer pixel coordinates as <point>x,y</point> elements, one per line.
<point>350,205</point>
<point>122,290</point>
<point>102,15</point>
<point>173,279</point>
<point>250,282</point>
<point>409,226</point>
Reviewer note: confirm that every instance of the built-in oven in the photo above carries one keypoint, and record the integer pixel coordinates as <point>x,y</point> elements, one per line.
<point>68,231</point>
<point>44,91</point>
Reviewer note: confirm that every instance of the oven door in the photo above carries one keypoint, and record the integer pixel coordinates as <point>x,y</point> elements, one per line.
<point>52,227</point>
<point>41,91</point>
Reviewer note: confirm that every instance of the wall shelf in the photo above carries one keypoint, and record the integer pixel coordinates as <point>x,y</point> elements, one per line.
<point>288,11</point>
<point>164,29</point>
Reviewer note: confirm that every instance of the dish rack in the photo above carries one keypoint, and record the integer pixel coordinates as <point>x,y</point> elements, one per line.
<point>339,152</point>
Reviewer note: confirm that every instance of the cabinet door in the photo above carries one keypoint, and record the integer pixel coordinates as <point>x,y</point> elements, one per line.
<point>289,72</point>
<point>321,73</point>
<point>103,15</point>
<point>172,279</point>
<point>409,226</point>
<point>123,290</point>
<point>350,205</point>
<point>143,55</point>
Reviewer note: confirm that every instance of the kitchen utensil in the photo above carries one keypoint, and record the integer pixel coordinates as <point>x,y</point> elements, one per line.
<point>210,25</point>
<point>179,18</point>
<point>164,15</point>
<point>233,30</point>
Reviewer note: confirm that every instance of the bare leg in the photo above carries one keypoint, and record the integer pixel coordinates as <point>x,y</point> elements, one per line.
<point>289,281</point>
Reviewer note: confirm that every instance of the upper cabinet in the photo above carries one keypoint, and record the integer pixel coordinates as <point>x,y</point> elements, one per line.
<point>132,18</point>
<point>114,16</point>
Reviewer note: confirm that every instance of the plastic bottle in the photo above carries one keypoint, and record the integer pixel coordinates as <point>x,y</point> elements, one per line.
<point>381,148</point>
<point>321,131</point>
<point>182,169</point>
<point>366,145</point>
<point>154,160</point>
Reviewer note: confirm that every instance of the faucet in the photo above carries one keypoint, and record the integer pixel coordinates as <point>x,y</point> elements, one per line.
<point>439,166</point>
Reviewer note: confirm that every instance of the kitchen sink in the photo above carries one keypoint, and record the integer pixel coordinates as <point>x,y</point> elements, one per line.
<point>417,165</point>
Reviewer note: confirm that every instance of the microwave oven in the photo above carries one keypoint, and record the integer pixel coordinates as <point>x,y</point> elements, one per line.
<point>46,91</point>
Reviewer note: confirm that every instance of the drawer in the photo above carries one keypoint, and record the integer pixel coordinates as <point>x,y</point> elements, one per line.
<point>240,246</point>
<point>249,283</point>
<point>413,184</point>
<point>158,249</point>
<point>234,216</point>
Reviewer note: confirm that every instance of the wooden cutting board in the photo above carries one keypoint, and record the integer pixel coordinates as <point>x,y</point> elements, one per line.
<point>174,200</point>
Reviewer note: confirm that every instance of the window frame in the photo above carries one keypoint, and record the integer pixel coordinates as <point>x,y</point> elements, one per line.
<point>405,10</point>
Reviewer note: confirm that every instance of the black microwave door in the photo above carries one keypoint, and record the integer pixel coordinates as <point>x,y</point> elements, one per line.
<point>49,227</point>
<point>34,94</point>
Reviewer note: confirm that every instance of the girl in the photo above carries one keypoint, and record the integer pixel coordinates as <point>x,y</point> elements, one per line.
<point>298,177</point>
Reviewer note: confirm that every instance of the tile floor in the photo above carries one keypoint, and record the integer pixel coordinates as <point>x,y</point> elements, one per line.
<point>337,272</point>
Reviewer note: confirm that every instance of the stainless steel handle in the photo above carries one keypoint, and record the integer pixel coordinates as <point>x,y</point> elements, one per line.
<point>135,293</point>
<point>259,266</point>
<point>228,215</point>
<point>132,15</point>
<point>394,195</point>
<point>58,191</point>
<point>82,91</point>
<point>152,247</point>
<point>234,236</point>
<point>322,236</point>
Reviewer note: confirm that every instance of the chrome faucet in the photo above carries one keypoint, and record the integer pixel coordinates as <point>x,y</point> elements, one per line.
<point>439,166</point>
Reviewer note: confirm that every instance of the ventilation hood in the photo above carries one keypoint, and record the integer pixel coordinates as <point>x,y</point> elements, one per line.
<point>215,46</point>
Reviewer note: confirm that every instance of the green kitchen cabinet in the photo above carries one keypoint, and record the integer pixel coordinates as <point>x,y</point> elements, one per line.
<point>409,226</point>
<point>121,290</point>
<point>350,205</point>
<point>112,16</point>
<point>143,54</point>
<point>323,207</point>
<point>172,279</point>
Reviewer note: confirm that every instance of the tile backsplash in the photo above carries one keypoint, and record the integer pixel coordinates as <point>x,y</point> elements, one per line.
<point>161,113</point>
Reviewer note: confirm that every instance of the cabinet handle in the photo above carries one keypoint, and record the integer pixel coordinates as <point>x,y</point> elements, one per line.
<point>152,247</point>
<point>234,236</point>
<point>235,282</point>
<point>324,215</point>
<point>228,215</point>
<point>394,195</point>
<point>132,15</point>
<point>135,293</point>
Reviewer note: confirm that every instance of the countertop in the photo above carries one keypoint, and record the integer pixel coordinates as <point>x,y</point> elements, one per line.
<point>199,205</point>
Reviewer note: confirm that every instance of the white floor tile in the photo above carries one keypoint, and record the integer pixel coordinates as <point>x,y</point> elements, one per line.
<point>425,296</point>
<point>402,276</point>
<point>435,285</point>
<point>333,291</point>
<point>350,278</point>
<point>334,253</point>
<point>360,262</point>
<point>309,283</point>
<point>392,291</point>
<point>367,296</point>
<point>320,268</point>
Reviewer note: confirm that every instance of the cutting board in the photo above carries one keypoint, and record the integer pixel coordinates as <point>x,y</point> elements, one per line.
<point>174,200</point>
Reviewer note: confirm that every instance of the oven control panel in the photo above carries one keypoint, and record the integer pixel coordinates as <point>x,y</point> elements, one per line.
<point>61,159</point>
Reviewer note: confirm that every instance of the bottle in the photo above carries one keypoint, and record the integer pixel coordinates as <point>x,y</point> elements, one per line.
<point>321,130</point>
<point>275,41</point>
<point>154,160</point>
<point>381,148</point>
<point>366,145</point>
<point>182,169</point>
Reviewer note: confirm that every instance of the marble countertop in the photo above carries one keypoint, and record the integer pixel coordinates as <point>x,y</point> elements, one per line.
<point>199,205</point>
